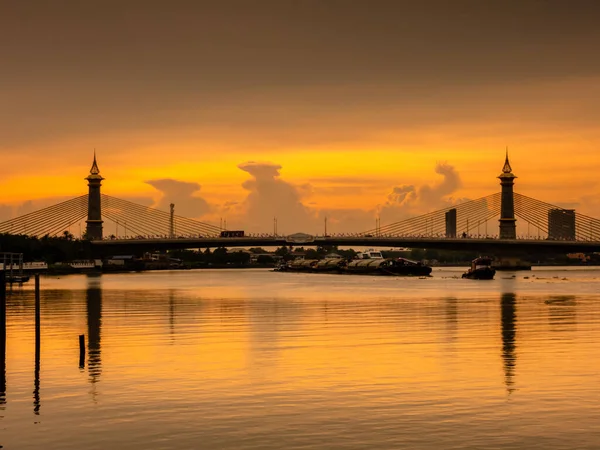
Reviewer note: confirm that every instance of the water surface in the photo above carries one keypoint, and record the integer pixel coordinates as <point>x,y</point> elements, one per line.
<point>251,359</point>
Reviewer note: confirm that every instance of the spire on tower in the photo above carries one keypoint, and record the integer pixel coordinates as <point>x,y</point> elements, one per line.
<point>94,170</point>
<point>506,168</point>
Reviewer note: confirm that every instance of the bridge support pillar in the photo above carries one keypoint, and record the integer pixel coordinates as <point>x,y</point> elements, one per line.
<point>94,221</point>
<point>508,223</point>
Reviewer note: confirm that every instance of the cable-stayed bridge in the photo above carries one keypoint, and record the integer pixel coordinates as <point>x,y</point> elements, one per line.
<point>466,226</point>
<point>134,220</point>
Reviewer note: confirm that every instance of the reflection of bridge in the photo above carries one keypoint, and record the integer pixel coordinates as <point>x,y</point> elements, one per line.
<point>460,227</point>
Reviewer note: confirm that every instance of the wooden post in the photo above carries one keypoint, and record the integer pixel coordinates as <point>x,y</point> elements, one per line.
<point>81,351</point>
<point>37,311</point>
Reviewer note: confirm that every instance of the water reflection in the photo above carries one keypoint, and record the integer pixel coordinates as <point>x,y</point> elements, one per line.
<point>451,318</point>
<point>38,339</point>
<point>2,342</point>
<point>2,365</point>
<point>561,313</point>
<point>36,373</point>
<point>172,315</point>
<point>508,305</point>
<point>94,323</point>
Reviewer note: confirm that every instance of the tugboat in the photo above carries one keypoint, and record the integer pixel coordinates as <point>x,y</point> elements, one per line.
<point>481,269</point>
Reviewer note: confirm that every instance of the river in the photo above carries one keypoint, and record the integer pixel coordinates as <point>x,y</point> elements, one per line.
<point>253,359</point>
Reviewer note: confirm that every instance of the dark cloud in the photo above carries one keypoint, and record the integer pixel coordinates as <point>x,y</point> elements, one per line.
<point>183,194</point>
<point>77,68</point>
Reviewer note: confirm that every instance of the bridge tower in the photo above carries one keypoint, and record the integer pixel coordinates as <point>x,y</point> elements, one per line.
<point>94,221</point>
<point>508,223</point>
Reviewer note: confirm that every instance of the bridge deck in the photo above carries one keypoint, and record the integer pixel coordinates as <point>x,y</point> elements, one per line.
<point>467,244</point>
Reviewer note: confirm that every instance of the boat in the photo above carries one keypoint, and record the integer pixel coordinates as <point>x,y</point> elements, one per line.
<point>389,266</point>
<point>330,265</point>
<point>302,265</point>
<point>17,279</point>
<point>481,269</point>
<point>369,262</point>
<point>369,254</point>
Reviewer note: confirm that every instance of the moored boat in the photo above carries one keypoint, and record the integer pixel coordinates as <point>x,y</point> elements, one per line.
<point>363,265</point>
<point>17,279</point>
<point>481,269</point>
<point>390,266</point>
<point>330,265</point>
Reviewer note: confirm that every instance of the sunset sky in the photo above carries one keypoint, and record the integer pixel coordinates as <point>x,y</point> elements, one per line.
<point>247,110</point>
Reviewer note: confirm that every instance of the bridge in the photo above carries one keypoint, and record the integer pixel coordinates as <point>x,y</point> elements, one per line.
<point>459,227</point>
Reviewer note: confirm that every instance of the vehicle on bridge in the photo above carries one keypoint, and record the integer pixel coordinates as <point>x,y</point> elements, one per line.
<point>232,234</point>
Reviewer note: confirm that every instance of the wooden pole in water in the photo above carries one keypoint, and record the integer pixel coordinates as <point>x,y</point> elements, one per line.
<point>81,351</point>
<point>37,311</point>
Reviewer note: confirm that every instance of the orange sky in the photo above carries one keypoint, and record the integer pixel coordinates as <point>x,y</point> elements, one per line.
<point>349,101</point>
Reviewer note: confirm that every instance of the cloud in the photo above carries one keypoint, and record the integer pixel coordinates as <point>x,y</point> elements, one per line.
<point>183,194</point>
<point>407,200</point>
<point>271,197</point>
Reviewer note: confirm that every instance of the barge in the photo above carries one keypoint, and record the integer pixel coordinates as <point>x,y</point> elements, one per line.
<point>366,263</point>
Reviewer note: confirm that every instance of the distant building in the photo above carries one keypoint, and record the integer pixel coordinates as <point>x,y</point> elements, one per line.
<point>451,223</point>
<point>561,224</point>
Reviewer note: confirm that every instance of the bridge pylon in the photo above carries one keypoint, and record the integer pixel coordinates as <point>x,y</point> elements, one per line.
<point>508,223</point>
<point>94,220</point>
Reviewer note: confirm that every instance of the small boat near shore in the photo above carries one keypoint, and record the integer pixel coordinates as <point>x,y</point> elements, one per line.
<point>17,279</point>
<point>481,269</point>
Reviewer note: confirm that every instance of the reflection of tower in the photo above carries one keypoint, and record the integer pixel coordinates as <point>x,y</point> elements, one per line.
<point>508,223</point>
<point>94,323</point>
<point>172,315</point>
<point>94,221</point>
<point>2,340</point>
<point>2,368</point>
<point>508,305</point>
<point>451,318</point>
